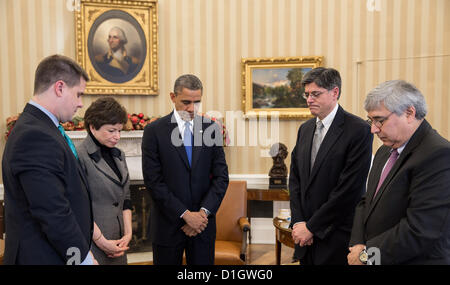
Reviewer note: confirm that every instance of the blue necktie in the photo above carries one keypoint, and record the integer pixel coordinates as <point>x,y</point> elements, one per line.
<point>69,141</point>
<point>187,141</point>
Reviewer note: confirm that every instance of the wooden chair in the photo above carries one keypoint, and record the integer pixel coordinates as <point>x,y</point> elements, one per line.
<point>232,226</point>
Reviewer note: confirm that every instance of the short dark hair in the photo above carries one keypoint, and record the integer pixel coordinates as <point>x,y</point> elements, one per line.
<point>188,81</point>
<point>57,67</point>
<point>103,111</point>
<point>327,78</point>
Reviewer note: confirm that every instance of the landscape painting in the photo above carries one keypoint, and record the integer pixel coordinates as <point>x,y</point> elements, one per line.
<point>274,85</point>
<point>278,87</point>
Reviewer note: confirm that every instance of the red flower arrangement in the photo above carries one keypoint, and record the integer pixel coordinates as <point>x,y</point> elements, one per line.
<point>77,124</point>
<point>10,122</point>
<point>138,121</point>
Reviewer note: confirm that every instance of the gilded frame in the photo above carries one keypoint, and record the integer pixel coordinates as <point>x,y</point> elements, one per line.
<point>136,73</point>
<point>259,91</point>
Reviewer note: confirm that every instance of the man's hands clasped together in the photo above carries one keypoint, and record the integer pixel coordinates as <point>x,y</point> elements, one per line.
<point>196,222</point>
<point>301,235</point>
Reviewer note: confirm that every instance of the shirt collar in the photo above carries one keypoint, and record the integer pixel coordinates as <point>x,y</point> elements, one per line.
<point>328,120</point>
<point>400,149</point>
<point>47,112</point>
<point>180,121</point>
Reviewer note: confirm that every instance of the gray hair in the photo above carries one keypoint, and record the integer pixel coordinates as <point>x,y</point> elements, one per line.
<point>188,81</point>
<point>120,34</point>
<point>397,96</point>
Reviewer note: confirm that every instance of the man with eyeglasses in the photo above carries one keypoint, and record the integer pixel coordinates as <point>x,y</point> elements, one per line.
<point>329,167</point>
<point>405,213</point>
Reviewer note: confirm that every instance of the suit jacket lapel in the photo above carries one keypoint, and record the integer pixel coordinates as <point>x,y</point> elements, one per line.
<point>374,177</point>
<point>305,154</point>
<point>123,171</point>
<point>95,154</point>
<point>328,141</point>
<point>375,173</point>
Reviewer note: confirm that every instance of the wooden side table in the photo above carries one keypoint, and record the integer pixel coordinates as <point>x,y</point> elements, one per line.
<point>263,193</point>
<point>283,235</point>
<point>266,194</point>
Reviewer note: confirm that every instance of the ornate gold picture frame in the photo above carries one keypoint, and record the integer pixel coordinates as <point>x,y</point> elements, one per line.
<point>273,84</point>
<point>117,45</point>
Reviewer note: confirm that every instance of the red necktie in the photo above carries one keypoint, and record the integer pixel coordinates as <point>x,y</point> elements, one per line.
<point>392,159</point>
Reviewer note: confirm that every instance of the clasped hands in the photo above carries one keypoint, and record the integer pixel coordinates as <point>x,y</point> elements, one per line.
<point>114,248</point>
<point>196,222</point>
<point>301,235</point>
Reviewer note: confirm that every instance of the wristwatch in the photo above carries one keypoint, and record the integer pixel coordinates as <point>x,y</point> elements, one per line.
<point>363,256</point>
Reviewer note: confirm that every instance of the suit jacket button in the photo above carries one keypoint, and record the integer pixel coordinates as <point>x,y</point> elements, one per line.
<point>116,204</point>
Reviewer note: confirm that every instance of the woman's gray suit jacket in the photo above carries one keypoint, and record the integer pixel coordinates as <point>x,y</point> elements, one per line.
<point>107,194</point>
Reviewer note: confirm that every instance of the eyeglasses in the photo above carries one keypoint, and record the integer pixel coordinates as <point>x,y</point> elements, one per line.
<point>379,123</point>
<point>313,95</point>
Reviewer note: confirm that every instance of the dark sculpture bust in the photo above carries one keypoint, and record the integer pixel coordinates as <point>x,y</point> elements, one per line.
<point>278,172</point>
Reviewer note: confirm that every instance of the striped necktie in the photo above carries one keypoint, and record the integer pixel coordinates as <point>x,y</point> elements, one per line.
<point>69,141</point>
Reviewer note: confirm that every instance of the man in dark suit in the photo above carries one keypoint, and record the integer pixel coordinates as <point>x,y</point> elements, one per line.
<point>404,218</point>
<point>47,206</point>
<point>186,173</point>
<point>329,167</point>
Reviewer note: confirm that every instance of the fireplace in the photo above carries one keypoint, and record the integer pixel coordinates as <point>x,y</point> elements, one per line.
<point>140,200</point>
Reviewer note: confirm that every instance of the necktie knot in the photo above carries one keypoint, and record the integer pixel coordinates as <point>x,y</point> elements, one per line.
<point>319,125</point>
<point>394,153</point>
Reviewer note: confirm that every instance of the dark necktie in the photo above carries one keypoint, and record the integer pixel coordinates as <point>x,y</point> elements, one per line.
<point>187,141</point>
<point>392,159</point>
<point>69,141</point>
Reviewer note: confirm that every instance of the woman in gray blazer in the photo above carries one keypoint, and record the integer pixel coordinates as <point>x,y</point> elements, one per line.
<point>108,178</point>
